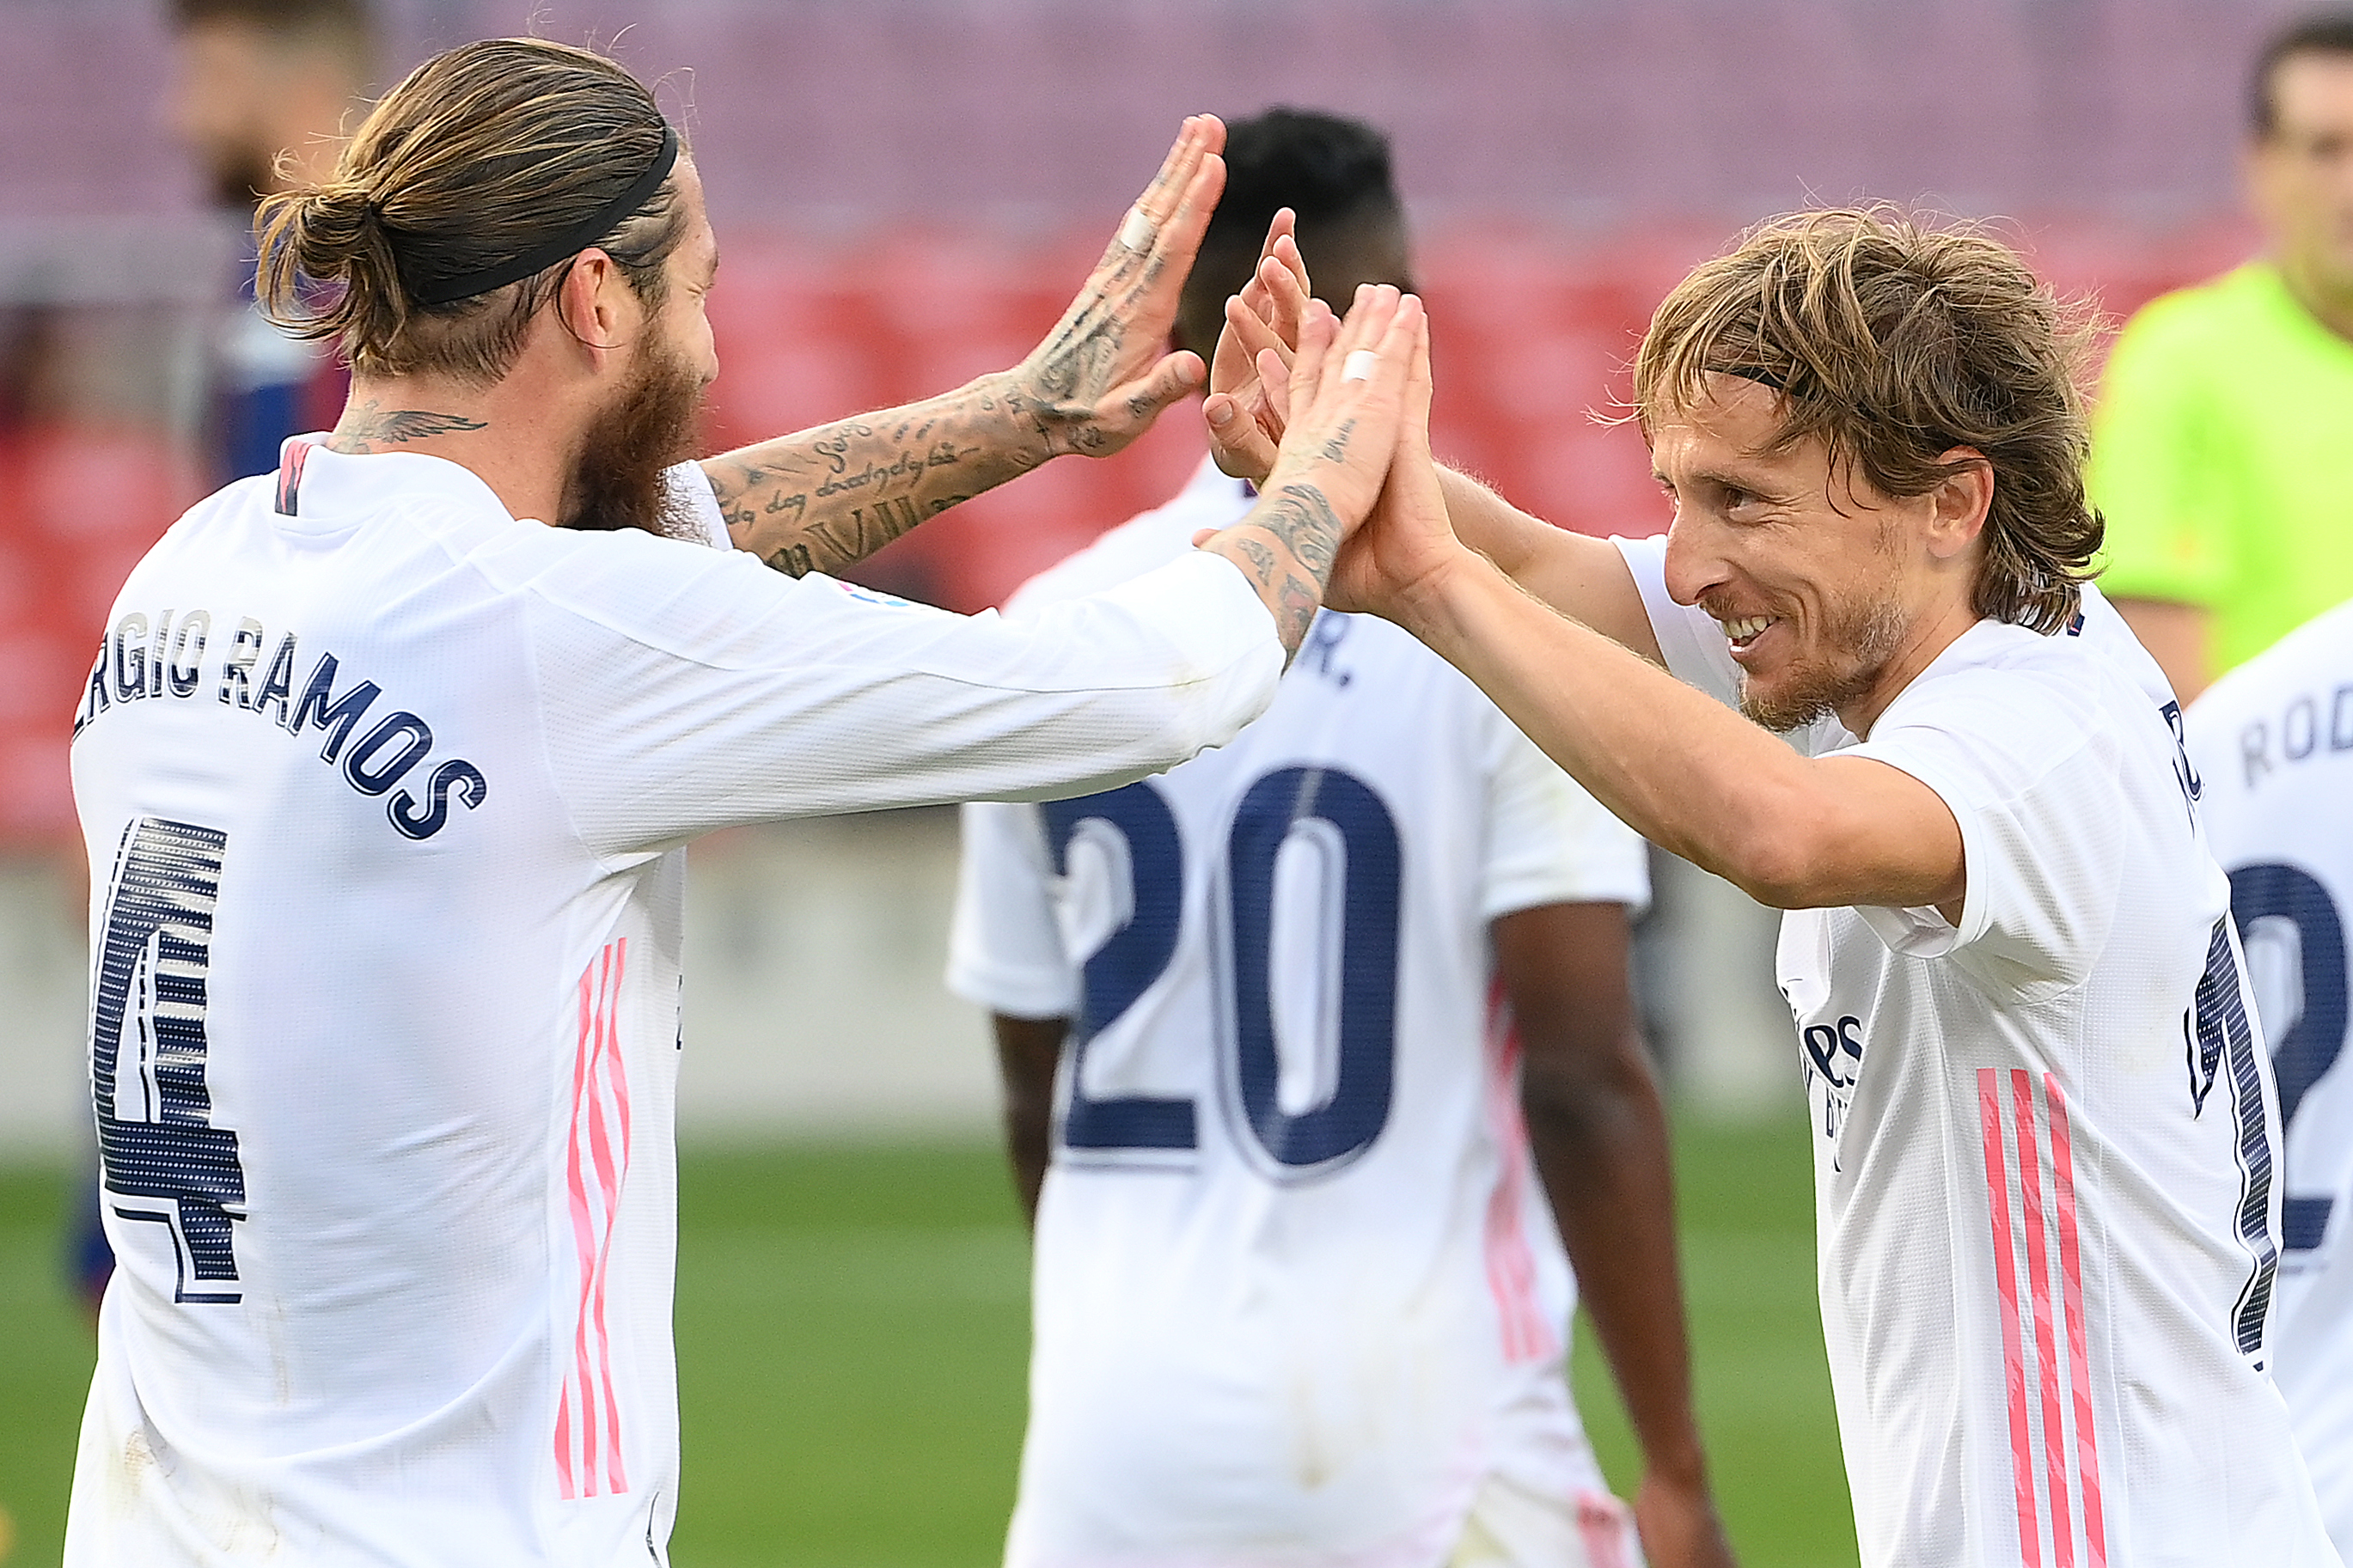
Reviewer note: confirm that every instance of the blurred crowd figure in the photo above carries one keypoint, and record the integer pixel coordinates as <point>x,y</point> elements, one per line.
<point>2222,449</point>
<point>264,90</point>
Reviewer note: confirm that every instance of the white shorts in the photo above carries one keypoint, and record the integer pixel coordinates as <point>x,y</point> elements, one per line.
<point>1513,1526</point>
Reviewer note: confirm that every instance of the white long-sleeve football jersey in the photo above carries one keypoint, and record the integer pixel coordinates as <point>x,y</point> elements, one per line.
<point>2045,1153</point>
<point>1297,1291</point>
<point>386,794</point>
<point>2273,742</point>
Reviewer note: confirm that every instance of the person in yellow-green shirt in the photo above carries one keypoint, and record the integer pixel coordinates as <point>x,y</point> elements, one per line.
<point>2222,449</point>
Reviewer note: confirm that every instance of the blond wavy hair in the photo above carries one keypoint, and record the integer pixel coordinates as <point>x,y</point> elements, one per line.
<point>1894,341</point>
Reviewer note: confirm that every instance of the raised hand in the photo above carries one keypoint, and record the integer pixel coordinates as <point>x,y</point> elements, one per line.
<point>1248,395</point>
<point>1408,532</point>
<point>1345,399</point>
<point>817,500</point>
<point>1102,376</point>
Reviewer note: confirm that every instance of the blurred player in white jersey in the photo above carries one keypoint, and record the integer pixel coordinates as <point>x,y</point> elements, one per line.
<point>2045,1178</point>
<point>385,785</point>
<point>2272,743</point>
<point>1268,1025</point>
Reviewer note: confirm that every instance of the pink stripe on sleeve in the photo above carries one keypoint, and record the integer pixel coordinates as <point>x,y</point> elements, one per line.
<point>2046,1348</point>
<point>2013,1361</point>
<point>2087,1443</point>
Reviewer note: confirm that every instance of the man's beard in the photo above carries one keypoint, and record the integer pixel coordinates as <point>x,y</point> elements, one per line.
<point>616,480</point>
<point>1861,636</point>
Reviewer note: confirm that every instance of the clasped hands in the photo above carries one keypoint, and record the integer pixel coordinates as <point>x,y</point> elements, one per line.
<point>1255,401</point>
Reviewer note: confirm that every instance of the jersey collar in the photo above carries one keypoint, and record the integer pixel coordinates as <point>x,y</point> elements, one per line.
<point>315,482</point>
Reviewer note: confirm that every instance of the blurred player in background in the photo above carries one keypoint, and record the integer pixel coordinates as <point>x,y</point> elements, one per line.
<point>2272,743</point>
<point>1300,1297</point>
<point>2223,449</point>
<point>2048,1242</point>
<point>386,785</point>
<point>265,92</point>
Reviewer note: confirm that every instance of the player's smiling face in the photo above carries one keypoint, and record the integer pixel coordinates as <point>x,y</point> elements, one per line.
<point>1802,562</point>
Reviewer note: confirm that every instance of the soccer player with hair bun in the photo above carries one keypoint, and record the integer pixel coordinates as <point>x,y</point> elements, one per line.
<point>2045,1126</point>
<point>387,763</point>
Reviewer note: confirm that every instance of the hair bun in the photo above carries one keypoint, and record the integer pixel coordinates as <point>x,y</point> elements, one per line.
<point>479,158</point>
<point>330,224</point>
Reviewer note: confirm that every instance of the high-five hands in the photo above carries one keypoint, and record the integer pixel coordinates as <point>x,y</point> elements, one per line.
<point>1252,395</point>
<point>1407,537</point>
<point>1346,401</point>
<point>1102,375</point>
<point>1248,375</point>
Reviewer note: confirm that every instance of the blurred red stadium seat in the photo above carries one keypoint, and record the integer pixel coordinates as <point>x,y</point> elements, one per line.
<point>77,509</point>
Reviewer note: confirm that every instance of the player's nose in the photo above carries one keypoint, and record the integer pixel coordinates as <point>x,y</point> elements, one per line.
<point>1693,565</point>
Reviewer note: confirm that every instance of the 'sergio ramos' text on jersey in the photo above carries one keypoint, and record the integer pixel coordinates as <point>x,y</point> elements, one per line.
<point>2045,1141</point>
<point>386,794</point>
<point>1297,1291</point>
<point>2273,742</point>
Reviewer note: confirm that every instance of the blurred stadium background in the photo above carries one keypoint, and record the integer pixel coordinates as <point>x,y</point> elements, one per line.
<point>906,191</point>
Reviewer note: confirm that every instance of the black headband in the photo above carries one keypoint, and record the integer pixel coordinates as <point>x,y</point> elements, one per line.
<point>1756,373</point>
<point>571,242</point>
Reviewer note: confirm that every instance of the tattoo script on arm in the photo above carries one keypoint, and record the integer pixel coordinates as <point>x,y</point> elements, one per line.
<point>823,499</point>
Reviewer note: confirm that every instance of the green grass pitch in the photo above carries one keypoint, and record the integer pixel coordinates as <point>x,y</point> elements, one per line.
<point>852,1324</point>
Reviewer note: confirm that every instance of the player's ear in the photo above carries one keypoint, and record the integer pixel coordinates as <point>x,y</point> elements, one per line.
<point>596,305</point>
<point>1959,504</point>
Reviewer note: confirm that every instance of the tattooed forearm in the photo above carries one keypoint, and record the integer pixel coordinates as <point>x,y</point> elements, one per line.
<point>1295,611</point>
<point>1288,565</point>
<point>822,500</point>
<point>1261,559</point>
<point>363,429</point>
<point>854,537</point>
<point>1300,517</point>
